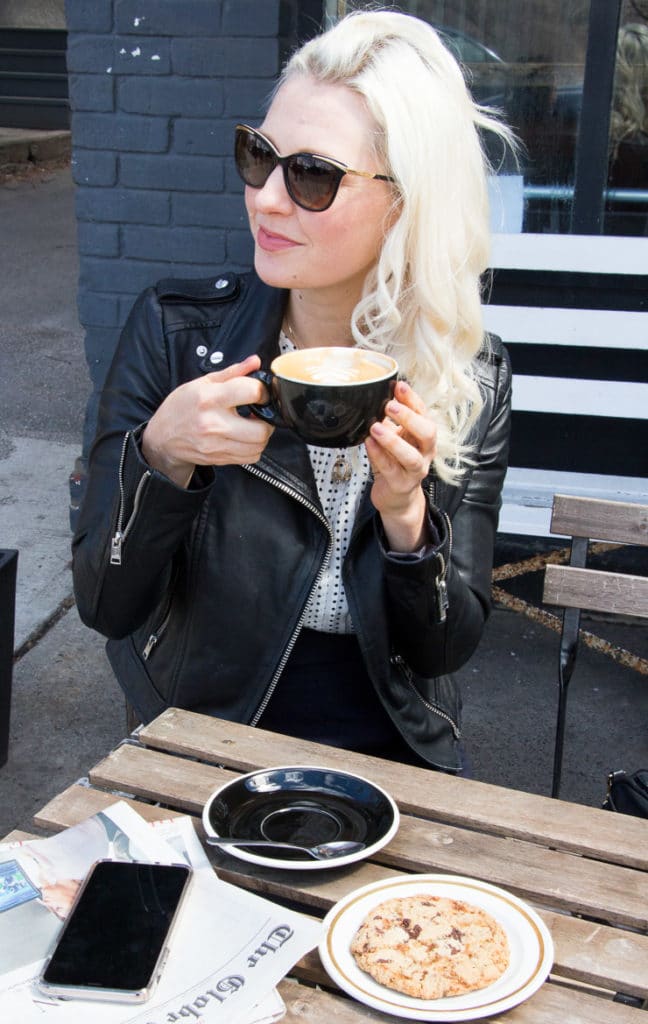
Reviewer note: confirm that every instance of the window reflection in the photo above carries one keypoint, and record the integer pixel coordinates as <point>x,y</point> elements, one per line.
<point>626,211</point>
<point>528,59</point>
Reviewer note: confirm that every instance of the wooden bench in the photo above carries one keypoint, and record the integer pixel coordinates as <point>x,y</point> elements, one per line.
<point>573,313</point>
<point>576,587</point>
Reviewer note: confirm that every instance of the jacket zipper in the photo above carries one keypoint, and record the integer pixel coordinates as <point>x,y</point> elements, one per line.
<point>122,531</point>
<point>323,567</point>
<point>400,663</point>
<point>156,636</point>
<point>440,581</point>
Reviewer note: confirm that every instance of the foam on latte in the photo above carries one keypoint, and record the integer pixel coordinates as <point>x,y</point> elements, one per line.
<point>333,366</point>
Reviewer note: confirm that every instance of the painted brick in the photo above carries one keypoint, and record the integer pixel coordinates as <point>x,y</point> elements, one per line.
<point>202,136</point>
<point>188,18</point>
<point>192,174</point>
<point>125,306</point>
<point>174,96</point>
<point>156,88</point>
<point>141,57</point>
<point>97,310</point>
<point>199,58</point>
<point>124,132</point>
<point>128,277</point>
<point>240,248</point>
<point>246,98</point>
<point>191,271</point>
<point>91,92</point>
<point>90,53</point>
<point>92,167</point>
<point>233,57</point>
<point>249,17</point>
<point>188,245</point>
<point>100,348</point>
<point>97,239</point>
<point>122,206</point>
<point>81,16</point>
<point>118,55</point>
<point>226,211</point>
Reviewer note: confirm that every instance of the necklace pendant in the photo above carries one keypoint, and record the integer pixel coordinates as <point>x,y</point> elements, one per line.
<point>342,470</point>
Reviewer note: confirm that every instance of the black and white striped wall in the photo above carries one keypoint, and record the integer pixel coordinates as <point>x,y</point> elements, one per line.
<point>573,312</point>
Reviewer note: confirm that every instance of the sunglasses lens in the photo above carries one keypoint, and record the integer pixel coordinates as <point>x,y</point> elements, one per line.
<point>313,182</point>
<point>254,159</point>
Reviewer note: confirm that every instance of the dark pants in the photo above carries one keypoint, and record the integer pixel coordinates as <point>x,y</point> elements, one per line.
<point>326,696</point>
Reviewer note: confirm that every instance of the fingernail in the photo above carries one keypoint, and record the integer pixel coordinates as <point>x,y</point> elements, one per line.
<point>393,407</point>
<point>377,428</point>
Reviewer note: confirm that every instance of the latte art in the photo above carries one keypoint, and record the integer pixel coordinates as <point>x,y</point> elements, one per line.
<point>333,366</point>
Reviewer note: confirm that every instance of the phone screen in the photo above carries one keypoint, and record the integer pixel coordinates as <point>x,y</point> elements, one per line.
<point>117,929</point>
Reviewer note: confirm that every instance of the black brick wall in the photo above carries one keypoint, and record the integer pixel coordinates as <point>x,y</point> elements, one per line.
<point>156,87</point>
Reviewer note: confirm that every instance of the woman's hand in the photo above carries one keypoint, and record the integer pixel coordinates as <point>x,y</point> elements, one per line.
<point>400,451</point>
<point>198,424</point>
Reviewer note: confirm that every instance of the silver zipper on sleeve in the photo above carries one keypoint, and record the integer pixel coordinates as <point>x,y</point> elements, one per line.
<point>323,567</point>
<point>440,581</point>
<point>397,660</point>
<point>122,531</point>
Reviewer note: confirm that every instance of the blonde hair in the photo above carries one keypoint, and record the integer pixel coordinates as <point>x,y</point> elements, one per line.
<point>422,301</point>
<point>630,104</point>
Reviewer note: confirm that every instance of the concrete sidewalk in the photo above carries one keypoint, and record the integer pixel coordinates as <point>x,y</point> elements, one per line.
<point>21,146</point>
<point>68,711</point>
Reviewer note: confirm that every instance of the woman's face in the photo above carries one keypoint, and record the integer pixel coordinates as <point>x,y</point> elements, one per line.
<point>333,249</point>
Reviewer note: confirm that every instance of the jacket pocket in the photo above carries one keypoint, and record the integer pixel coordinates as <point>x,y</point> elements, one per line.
<point>444,705</point>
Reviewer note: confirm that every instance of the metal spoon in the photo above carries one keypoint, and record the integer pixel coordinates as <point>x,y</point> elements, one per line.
<point>323,851</point>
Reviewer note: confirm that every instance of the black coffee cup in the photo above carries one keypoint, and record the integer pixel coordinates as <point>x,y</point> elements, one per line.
<point>328,396</point>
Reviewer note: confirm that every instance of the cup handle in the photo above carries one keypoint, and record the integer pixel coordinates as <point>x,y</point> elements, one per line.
<point>268,411</point>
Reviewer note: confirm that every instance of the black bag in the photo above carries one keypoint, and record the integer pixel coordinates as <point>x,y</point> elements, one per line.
<point>628,794</point>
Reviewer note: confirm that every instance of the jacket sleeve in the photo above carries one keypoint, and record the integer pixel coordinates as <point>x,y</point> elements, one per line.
<point>133,519</point>
<point>438,604</point>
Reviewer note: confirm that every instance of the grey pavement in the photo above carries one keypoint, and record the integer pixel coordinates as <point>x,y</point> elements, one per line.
<point>67,711</point>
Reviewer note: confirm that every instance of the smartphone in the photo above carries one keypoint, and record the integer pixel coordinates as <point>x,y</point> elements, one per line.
<point>115,940</point>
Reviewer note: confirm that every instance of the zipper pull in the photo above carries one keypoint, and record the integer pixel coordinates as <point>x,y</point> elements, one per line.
<point>442,598</point>
<point>115,549</point>
<point>150,644</point>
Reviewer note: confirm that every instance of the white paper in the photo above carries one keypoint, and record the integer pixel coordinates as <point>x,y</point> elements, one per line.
<point>229,951</point>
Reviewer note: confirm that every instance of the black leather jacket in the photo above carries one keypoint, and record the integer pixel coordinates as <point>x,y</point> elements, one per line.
<point>202,591</point>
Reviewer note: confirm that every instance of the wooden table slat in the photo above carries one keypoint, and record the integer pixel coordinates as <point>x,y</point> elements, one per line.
<point>579,885</point>
<point>551,1003</point>
<point>585,951</point>
<point>620,839</point>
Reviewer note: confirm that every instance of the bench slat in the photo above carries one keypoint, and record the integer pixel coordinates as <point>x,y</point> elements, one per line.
<point>611,592</point>
<point>620,521</point>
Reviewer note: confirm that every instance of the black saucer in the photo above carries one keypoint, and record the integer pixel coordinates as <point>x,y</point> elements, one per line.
<point>303,805</point>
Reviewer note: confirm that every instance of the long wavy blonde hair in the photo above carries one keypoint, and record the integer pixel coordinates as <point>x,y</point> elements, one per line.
<point>629,116</point>
<point>422,302</point>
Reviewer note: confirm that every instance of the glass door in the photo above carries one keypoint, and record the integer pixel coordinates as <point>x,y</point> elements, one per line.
<point>571,77</point>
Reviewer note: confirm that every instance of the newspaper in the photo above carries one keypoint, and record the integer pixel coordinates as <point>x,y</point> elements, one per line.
<point>230,950</point>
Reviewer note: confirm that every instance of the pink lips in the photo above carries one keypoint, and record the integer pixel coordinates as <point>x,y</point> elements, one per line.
<point>270,242</point>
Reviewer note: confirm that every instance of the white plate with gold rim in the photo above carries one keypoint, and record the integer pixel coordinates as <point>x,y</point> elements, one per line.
<point>530,945</point>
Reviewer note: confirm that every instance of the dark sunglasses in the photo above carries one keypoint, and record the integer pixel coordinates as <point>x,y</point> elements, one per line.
<point>311,181</point>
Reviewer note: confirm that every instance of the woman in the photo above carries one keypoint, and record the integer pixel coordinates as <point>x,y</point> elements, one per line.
<point>237,571</point>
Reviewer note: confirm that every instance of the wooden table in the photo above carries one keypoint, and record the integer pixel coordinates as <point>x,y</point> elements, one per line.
<point>584,870</point>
